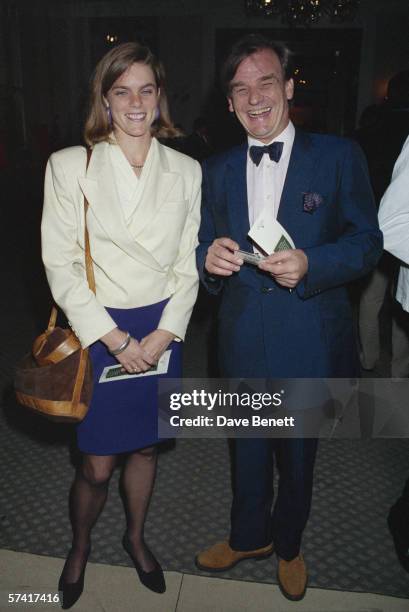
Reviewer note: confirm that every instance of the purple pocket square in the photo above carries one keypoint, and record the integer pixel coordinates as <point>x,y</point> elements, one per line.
<point>311,201</point>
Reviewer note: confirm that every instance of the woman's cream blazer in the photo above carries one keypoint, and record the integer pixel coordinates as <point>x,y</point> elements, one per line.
<point>134,266</point>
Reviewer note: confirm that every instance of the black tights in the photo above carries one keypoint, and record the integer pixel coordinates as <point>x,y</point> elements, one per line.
<point>87,499</point>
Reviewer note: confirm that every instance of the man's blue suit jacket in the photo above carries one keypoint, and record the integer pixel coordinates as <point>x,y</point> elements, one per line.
<point>264,329</point>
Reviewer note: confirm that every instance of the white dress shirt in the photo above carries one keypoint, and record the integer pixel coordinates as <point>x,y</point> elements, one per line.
<point>265,182</point>
<point>394,221</point>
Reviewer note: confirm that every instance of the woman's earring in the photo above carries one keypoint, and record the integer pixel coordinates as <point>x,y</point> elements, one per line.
<point>157,113</point>
<point>109,115</point>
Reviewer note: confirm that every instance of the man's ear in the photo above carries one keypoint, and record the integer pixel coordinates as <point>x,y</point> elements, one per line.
<point>230,104</point>
<point>289,89</point>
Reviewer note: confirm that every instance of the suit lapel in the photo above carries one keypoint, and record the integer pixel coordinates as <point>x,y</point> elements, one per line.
<point>299,176</point>
<point>298,179</point>
<point>157,189</point>
<point>237,196</point>
<point>99,188</point>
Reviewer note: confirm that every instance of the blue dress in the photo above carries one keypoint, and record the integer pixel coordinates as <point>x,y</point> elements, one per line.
<point>123,414</point>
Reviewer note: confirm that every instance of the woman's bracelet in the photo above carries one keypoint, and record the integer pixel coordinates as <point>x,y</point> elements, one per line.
<point>120,349</point>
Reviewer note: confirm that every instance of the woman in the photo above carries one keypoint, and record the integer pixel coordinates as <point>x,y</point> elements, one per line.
<point>142,220</point>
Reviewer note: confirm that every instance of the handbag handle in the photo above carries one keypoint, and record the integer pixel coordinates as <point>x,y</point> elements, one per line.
<point>88,259</point>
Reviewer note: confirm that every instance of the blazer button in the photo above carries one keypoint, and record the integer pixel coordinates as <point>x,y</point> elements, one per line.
<point>266,289</point>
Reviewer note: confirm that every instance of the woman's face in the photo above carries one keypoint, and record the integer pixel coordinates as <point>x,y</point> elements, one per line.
<point>133,100</point>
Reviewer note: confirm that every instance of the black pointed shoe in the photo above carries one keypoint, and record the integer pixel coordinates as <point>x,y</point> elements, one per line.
<point>71,591</point>
<point>153,580</point>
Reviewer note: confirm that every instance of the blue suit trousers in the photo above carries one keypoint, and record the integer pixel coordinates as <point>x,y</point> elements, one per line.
<point>254,524</point>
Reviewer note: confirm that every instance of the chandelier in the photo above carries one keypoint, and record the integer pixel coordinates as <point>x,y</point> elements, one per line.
<point>303,12</point>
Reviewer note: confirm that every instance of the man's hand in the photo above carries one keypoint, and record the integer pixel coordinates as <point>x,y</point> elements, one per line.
<point>156,343</point>
<point>287,267</point>
<point>220,258</point>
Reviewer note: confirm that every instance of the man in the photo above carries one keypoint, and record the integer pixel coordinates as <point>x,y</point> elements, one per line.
<point>382,142</point>
<point>394,222</point>
<point>290,315</point>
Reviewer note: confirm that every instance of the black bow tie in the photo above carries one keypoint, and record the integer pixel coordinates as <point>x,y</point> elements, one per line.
<point>274,151</point>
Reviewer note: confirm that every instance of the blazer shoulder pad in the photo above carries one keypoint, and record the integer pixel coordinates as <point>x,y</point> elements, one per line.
<point>176,158</point>
<point>69,154</point>
<point>71,158</point>
<point>224,157</point>
<point>332,142</point>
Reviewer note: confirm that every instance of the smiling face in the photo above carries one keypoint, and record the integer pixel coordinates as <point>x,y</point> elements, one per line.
<point>133,100</point>
<point>259,95</point>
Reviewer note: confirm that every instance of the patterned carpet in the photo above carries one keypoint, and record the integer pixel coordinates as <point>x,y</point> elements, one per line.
<point>346,543</point>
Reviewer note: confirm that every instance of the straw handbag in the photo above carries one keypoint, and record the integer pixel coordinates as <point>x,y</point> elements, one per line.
<point>55,379</point>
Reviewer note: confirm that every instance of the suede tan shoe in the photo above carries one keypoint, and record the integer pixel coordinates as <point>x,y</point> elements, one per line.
<point>292,578</point>
<point>222,557</point>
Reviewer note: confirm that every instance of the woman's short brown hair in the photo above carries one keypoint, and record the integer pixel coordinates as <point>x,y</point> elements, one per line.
<point>108,70</point>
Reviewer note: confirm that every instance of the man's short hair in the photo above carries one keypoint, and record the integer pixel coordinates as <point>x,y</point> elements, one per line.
<point>246,46</point>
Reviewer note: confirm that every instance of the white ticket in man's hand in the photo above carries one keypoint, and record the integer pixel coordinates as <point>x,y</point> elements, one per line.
<point>269,234</point>
<point>250,258</point>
